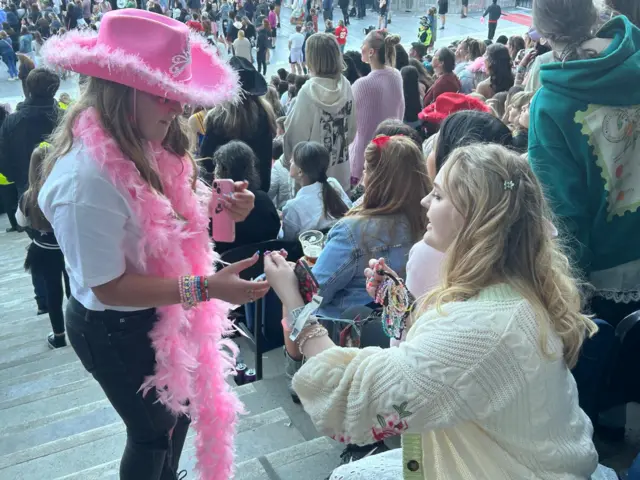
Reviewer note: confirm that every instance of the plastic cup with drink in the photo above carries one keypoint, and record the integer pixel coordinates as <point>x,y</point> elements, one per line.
<point>312,242</point>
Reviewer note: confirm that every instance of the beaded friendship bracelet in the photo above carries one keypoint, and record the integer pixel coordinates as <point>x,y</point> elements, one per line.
<point>193,290</point>
<point>315,330</point>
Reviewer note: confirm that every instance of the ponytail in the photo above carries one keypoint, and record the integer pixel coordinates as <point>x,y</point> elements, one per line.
<point>313,159</point>
<point>384,44</point>
<point>390,42</point>
<point>332,204</point>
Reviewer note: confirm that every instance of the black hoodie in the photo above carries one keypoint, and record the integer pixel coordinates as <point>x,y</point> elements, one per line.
<point>22,131</point>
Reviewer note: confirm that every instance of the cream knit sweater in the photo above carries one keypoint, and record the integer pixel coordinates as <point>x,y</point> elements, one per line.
<point>470,390</point>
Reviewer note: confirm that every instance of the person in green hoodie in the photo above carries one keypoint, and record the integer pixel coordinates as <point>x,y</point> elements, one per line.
<point>583,146</point>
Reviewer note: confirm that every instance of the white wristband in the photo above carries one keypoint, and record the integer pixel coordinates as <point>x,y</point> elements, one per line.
<point>302,318</point>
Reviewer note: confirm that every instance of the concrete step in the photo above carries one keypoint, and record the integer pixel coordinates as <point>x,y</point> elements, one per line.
<point>41,364</point>
<point>257,435</point>
<point>56,423</point>
<point>41,382</point>
<point>311,460</point>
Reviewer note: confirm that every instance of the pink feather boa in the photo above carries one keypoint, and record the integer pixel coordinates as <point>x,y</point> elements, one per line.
<point>191,364</point>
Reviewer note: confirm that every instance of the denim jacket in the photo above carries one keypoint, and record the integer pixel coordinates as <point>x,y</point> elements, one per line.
<point>351,243</point>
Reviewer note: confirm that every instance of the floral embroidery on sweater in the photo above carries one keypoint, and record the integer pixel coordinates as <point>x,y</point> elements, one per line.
<point>392,424</point>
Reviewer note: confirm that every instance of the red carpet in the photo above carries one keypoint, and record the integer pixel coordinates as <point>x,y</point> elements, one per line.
<point>521,18</point>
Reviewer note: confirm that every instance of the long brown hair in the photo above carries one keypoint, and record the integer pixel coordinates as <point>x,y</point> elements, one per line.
<point>506,238</point>
<point>30,199</point>
<point>396,182</point>
<point>112,102</point>
<point>240,120</point>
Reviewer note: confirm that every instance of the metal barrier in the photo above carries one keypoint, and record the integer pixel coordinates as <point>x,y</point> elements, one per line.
<point>422,6</point>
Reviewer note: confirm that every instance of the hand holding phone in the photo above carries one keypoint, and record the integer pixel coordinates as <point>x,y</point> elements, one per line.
<point>223,225</point>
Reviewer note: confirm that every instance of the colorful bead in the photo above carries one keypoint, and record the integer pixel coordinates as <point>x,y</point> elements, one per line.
<point>394,297</point>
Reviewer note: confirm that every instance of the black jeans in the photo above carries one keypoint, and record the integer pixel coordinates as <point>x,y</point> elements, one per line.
<point>261,57</point>
<point>492,30</point>
<point>115,348</point>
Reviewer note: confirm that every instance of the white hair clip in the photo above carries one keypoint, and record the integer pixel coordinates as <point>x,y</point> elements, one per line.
<point>508,185</point>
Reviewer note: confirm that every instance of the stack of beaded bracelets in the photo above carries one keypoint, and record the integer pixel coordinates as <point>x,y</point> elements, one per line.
<point>193,290</point>
<point>314,330</point>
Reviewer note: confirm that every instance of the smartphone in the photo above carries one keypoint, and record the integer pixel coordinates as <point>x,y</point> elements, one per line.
<point>307,283</point>
<point>223,227</point>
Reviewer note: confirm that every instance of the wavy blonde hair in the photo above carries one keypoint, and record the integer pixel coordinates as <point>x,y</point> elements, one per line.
<point>113,102</point>
<point>506,238</point>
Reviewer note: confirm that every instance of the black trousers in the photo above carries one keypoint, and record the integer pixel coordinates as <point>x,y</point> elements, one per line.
<point>622,384</point>
<point>9,199</point>
<point>50,280</point>
<point>115,348</point>
<point>345,15</point>
<point>492,30</point>
<point>261,58</point>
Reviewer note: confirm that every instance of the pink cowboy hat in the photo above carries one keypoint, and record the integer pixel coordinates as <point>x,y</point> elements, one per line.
<point>148,52</point>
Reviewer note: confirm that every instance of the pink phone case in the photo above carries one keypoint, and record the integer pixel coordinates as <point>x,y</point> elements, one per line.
<point>223,226</point>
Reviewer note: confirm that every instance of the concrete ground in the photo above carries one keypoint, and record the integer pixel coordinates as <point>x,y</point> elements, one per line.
<point>403,23</point>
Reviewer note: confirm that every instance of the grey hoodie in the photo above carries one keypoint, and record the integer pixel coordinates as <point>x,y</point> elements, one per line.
<point>324,112</point>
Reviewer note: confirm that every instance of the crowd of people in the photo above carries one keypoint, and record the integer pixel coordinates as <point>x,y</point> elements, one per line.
<point>474,194</point>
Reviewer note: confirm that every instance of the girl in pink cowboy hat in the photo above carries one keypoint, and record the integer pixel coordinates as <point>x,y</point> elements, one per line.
<point>148,312</point>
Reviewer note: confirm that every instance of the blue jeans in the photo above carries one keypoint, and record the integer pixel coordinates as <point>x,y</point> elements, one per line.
<point>11,64</point>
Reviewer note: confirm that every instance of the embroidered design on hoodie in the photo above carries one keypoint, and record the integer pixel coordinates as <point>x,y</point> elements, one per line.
<point>613,135</point>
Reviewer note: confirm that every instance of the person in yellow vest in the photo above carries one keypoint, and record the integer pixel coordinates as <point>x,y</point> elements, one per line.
<point>64,101</point>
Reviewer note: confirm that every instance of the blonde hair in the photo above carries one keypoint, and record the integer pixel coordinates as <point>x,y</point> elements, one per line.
<point>112,102</point>
<point>30,198</point>
<point>240,34</point>
<point>323,55</point>
<point>518,101</point>
<point>505,238</point>
<point>384,44</point>
<point>478,96</point>
<point>397,181</point>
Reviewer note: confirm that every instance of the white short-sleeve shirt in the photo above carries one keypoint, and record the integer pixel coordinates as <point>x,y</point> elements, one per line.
<point>306,210</point>
<point>94,224</point>
<point>296,39</point>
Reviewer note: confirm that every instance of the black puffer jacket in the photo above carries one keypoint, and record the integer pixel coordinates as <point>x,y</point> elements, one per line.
<point>22,131</point>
